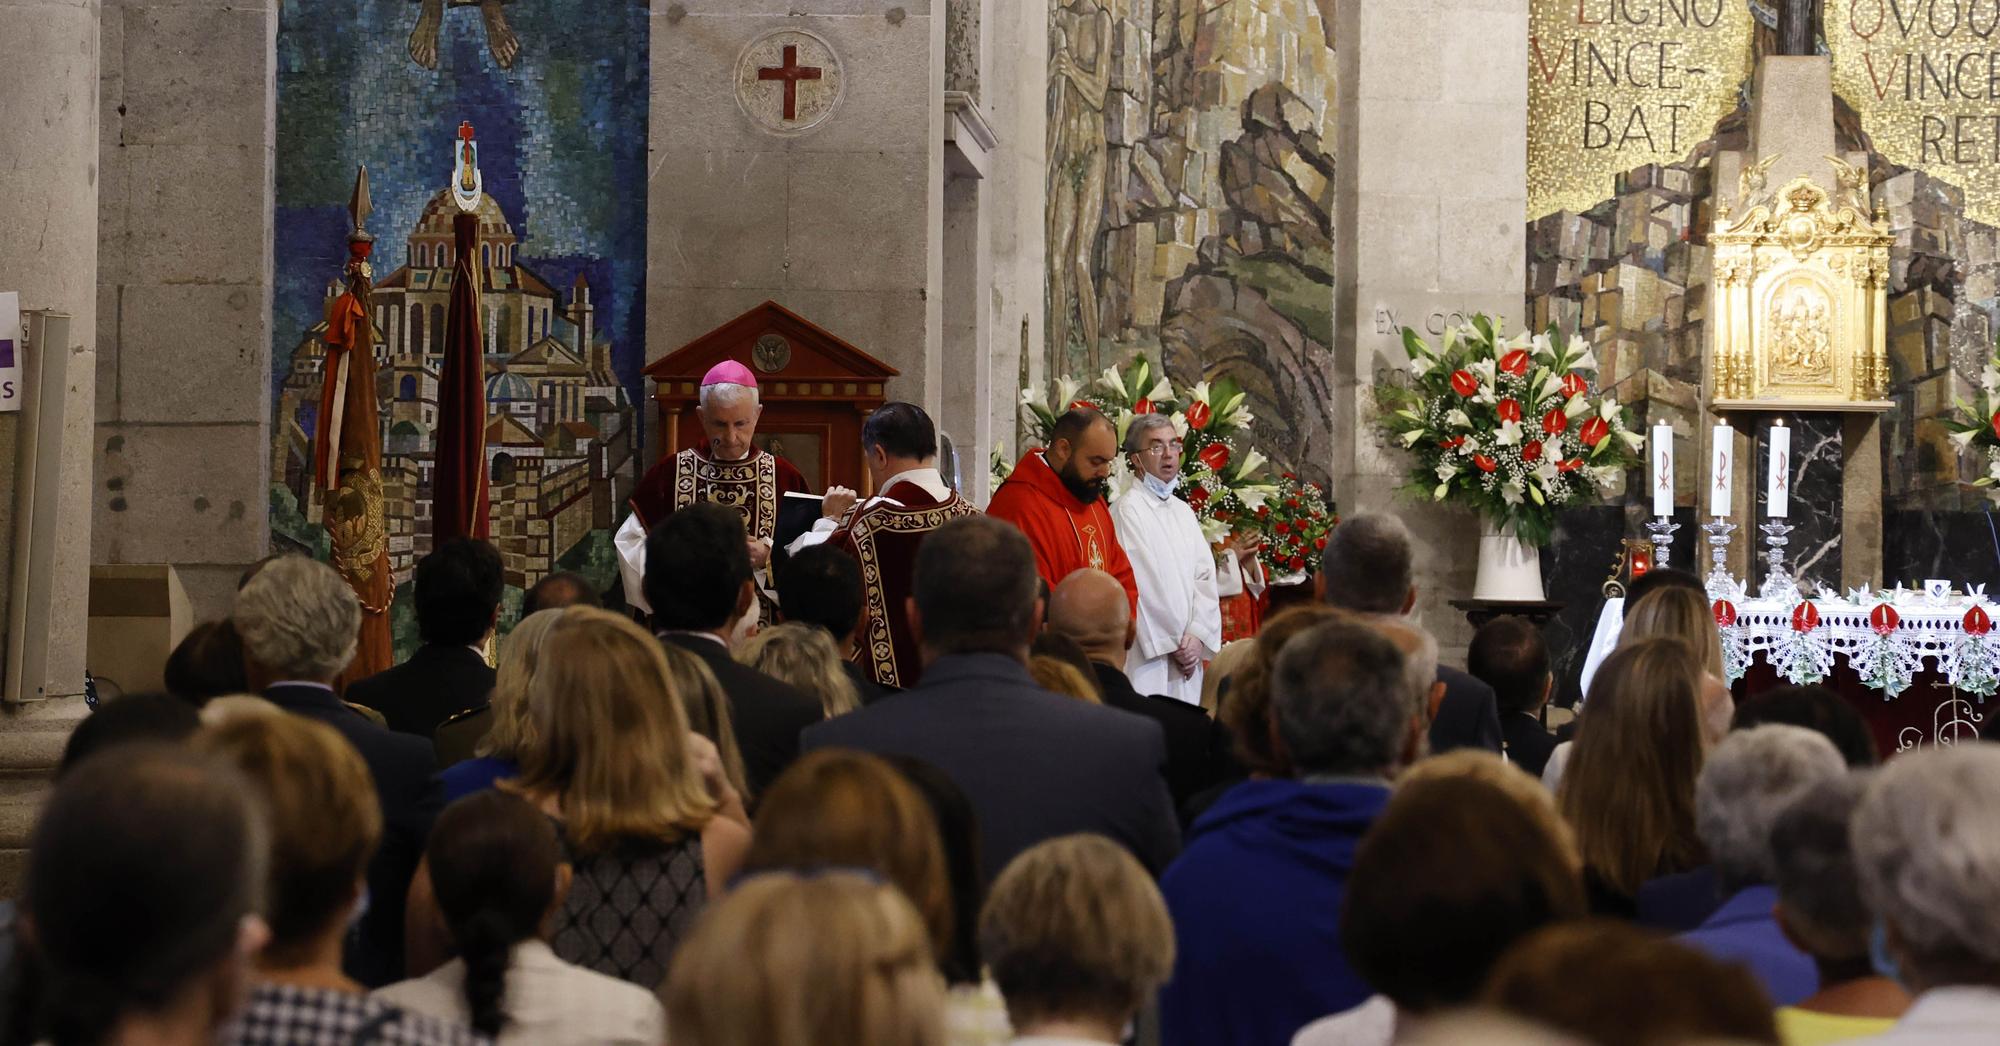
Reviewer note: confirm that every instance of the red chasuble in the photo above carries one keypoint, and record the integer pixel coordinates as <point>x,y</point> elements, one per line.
<point>884,539</point>
<point>1067,534</point>
<point>752,487</point>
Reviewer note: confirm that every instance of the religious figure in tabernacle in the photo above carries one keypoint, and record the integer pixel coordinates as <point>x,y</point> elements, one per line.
<point>1180,611</point>
<point>727,468</point>
<point>1079,81</point>
<point>1056,496</point>
<point>884,533</point>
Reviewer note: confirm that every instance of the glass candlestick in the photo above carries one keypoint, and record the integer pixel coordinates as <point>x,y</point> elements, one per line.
<point>1719,582</point>
<point>1662,530</point>
<point>1778,584</point>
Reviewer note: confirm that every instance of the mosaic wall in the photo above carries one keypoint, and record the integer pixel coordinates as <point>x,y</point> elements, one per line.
<point>1191,200</point>
<point>557,96</point>
<point>1631,271</point>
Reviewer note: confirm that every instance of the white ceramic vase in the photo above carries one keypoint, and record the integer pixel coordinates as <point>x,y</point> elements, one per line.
<point>1510,570</point>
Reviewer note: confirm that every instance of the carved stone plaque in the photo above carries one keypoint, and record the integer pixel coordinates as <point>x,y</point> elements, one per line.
<point>789,81</point>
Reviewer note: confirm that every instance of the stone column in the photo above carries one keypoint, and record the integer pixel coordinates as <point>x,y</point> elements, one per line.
<point>48,252</point>
<point>841,222</point>
<point>1430,229</point>
<point>1014,91</point>
<point>184,290</point>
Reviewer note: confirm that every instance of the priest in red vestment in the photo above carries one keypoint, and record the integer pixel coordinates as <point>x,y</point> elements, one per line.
<point>884,533</point>
<point>1056,496</point>
<point>727,468</point>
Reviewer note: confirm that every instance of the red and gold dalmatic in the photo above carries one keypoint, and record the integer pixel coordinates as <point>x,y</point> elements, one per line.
<point>884,539</point>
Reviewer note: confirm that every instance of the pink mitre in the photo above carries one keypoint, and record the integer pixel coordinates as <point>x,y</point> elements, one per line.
<point>729,372</point>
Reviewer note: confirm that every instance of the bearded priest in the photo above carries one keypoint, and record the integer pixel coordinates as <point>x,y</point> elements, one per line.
<point>727,468</point>
<point>1056,496</point>
<point>1180,616</point>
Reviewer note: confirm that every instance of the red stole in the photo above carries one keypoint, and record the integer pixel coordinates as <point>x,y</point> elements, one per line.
<point>884,539</point>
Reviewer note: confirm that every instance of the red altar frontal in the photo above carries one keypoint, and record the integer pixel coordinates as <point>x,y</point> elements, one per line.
<point>816,388</point>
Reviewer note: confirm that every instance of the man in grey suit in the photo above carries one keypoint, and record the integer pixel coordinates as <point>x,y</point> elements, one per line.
<point>1036,765</point>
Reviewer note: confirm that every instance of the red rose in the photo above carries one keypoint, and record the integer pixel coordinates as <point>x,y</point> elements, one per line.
<point>1531,451</point>
<point>1319,543</point>
<point>1298,563</point>
<point>1555,422</point>
<point>1574,385</point>
<point>1515,363</point>
<point>1291,503</point>
<point>1485,463</point>
<point>1283,528</point>
<point>1263,511</point>
<point>1510,410</point>
<point>1570,465</point>
<point>1463,383</point>
<point>1215,456</point>
<point>1198,497</point>
<point>1144,406</point>
<point>1198,415</point>
<point>1594,431</point>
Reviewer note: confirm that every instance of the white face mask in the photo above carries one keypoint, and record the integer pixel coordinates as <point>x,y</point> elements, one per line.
<point>1161,488</point>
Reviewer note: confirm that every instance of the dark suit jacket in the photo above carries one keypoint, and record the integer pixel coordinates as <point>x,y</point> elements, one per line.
<point>1197,747</point>
<point>1467,717</point>
<point>436,683</point>
<point>404,769</point>
<point>1528,742</point>
<point>1036,765</point>
<point>767,713</point>
<point>865,684</point>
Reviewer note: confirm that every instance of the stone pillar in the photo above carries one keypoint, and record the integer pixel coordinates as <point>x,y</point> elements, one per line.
<point>48,252</point>
<point>1014,91</point>
<point>1429,225</point>
<point>184,290</point>
<point>840,222</point>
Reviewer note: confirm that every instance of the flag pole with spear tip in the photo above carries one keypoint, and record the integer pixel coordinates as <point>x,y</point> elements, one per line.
<point>347,458</point>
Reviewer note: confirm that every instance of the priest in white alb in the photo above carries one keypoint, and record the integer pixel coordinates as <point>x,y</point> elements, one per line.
<point>1180,618</point>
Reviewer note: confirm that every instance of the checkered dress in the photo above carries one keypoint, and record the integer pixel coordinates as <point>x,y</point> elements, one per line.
<point>280,1015</point>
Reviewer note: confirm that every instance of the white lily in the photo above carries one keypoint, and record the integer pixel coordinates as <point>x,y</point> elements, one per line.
<point>1962,440</point>
<point>1509,434</point>
<point>1606,475</point>
<point>1484,370</point>
<point>1632,439</point>
<point>1545,471</point>
<point>1113,381</point>
<point>1608,410</point>
<point>1548,387</point>
<point>1576,407</point>
<point>1586,357</point>
<point>1447,470</point>
<point>1413,437</point>
<point>1421,365</point>
<point>1542,345</point>
<point>1161,390</point>
<point>1989,379</point>
<point>1458,419</point>
<point>1254,498</point>
<point>1030,398</point>
<point>1440,492</point>
<point>1180,424</point>
<point>1511,492</point>
<point>1200,393</point>
<point>1214,530</point>
<point>1251,463</point>
<point>1066,390</point>
<point>1993,470</point>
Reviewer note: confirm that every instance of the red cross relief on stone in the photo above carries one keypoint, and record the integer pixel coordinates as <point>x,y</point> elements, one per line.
<point>791,73</point>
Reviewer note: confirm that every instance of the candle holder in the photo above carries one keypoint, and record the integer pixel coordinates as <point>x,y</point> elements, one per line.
<point>1662,530</point>
<point>1778,583</point>
<point>1719,581</point>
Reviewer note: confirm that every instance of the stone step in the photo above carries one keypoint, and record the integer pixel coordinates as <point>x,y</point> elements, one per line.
<point>31,743</point>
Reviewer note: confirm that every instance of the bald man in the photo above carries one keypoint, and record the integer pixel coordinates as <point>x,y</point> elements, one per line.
<point>1090,606</point>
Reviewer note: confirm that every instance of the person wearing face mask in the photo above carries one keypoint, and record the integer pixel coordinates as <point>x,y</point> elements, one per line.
<point>1055,495</point>
<point>727,467</point>
<point>1180,616</point>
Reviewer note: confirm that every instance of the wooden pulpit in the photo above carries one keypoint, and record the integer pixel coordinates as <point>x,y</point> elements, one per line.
<point>816,389</point>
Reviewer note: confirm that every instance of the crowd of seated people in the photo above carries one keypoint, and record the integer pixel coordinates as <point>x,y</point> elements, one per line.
<point>690,832</point>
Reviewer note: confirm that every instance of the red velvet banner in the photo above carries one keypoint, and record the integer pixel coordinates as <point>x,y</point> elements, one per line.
<point>458,483</point>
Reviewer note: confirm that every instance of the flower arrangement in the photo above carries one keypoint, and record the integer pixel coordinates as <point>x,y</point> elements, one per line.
<point>1977,424</point>
<point>1508,426</point>
<point>1296,521</point>
<point>1219,475</point>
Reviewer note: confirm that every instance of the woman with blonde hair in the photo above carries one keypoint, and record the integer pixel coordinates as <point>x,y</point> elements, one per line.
<point>1078,939</point>
<point>834,959</point>
<point>1685,614</point>
<point>647,817</point>
<point>804,656</point>
<point>498,754</point>
<point>707,709</point>
<point>1629,790</point>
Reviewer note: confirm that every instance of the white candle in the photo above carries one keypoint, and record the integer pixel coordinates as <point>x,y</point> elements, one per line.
<point>1721,460</point>
<point>1778,492</point>
<point>1663,470</point>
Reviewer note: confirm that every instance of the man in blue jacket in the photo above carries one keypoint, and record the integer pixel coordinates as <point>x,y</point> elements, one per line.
<point>1256,895</point>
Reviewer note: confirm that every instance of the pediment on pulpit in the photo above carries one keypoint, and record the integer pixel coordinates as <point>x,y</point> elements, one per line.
<point>1801,283</point>
<point>790,355</point>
